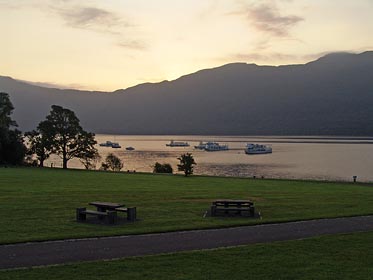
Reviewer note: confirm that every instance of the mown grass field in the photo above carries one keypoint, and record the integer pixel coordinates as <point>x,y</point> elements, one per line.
<point>39,204</point>
<point>331,257</point>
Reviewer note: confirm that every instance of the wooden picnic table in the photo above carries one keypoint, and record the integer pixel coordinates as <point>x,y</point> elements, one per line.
<point>107,210</point>
<point>232,202</point>
<point>232,205</point>
<point>103,206</point>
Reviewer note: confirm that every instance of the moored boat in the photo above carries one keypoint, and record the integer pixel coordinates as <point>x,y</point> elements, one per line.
<point>214,146</point>
<point>200,146</point>
<point>177,144</point>
<point>130,148</point>
<point>106,144</point>
<point>252,149</point>
<point>115,145</point>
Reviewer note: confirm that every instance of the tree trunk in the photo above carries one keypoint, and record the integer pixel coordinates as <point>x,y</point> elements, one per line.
<point>64,163</point>
<point>41,163</point>
<point>64,157</point>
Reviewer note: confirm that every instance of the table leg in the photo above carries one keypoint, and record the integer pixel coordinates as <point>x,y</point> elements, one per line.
<point>101,209</point>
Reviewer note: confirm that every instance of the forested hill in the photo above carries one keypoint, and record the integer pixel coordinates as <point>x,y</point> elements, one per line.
<point>330,96</point>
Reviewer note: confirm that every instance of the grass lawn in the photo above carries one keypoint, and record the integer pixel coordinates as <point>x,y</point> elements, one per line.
<point>331,257</point>
<point>39,204</point>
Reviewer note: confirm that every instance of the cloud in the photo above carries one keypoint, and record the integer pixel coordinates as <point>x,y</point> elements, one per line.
<point>262,56</point>
<point>57,86</point>
<point>137,45</point>
<point>267,18</point>
<point>314,56</point>
<point>278,57</point>
<point>13,5</point>
<point>98,20</point>
<point>92,18</point>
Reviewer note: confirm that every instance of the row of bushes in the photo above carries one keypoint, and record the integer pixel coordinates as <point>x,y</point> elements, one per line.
<point>114,163</point>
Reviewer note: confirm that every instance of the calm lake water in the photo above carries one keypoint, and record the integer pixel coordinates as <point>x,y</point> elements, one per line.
<point>320,158</point>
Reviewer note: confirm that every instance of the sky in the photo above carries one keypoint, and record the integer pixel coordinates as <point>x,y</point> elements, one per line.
<point>114,44</point>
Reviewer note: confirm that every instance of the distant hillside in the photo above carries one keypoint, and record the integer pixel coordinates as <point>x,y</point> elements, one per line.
<point>330,96</point>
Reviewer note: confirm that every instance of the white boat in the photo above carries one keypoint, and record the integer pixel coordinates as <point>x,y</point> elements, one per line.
<point>177,144</point>
<point>130,148</point>
<point>200,146</point>
<point>253,149</point>
<point>115,145</point>
<point>214,146</point>
<point>106,144</point>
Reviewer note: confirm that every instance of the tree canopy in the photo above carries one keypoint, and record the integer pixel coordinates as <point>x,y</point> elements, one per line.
<point>112,162</point>
<point>162,168</point>
<point>12,149</point>
<point>64,136</point>
<point>39,143</point>
<point>186,163</point>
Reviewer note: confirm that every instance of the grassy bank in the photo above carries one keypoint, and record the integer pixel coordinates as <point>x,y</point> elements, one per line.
<point>332,257</point>
<point>39,204</point>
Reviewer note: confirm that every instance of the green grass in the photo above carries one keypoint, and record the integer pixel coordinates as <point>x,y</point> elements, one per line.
<point>39,204</point>
<point>331,257</point>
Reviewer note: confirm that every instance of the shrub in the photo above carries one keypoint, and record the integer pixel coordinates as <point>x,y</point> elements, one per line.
<point>186,163</point>
<point>162,168</point>
<point>112,162</point>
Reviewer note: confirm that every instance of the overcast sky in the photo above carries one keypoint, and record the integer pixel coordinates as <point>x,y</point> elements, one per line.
<point>112,44</point>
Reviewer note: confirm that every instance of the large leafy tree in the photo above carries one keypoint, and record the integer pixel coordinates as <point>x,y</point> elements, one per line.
<point>12,149</point>
<point>186,163</point>
<point>65,136</point>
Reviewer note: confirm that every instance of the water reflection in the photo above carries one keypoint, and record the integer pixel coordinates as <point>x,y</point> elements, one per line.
<point>330,158</point>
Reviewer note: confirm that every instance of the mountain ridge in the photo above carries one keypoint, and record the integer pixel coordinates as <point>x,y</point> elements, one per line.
<point>328,96</point>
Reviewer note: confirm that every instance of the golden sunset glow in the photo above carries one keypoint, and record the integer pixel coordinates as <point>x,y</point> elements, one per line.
<point>107,45</point>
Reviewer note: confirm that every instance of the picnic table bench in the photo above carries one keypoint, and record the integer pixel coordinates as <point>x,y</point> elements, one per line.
<point>225,206</point>
<point>81,215</point>
<point>109,206</point>
<point>106,209</point>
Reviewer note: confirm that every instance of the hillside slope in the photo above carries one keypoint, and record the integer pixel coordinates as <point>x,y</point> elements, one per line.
<point>330,96</point>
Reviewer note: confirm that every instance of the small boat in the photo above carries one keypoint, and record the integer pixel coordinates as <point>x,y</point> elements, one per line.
<point>106,144</point>
<point>130,148</point>
<point>177,144</point>
<point>214,146</point>
<point>200,146</point>
<point>253,149</point>
<point>115,145</point>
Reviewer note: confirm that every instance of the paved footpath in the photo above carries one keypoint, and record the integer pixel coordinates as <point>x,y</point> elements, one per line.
<point>74,250</point>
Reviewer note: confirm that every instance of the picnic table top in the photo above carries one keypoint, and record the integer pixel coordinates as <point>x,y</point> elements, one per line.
<point>233,201</point>
<point>103,204</point>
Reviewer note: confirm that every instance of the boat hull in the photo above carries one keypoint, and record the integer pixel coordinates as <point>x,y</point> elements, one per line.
<point>216,150</point>
<point>257,152</point>
<point>178,144</point>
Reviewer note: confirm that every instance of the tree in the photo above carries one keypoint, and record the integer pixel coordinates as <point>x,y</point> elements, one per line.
<point>162,168</point>
<point>6,109</point>
<point>112,162</point>
<point>12,149</point>
<point>90,158</point>
<point>186,163</point>
<point>39,144</point>
<point>65,135</point>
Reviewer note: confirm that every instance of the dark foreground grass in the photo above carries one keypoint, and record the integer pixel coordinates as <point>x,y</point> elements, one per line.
<point>39,204</point>
<point>332,257</point>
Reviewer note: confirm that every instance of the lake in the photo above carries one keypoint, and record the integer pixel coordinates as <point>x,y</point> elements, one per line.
<point>319,158</point>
